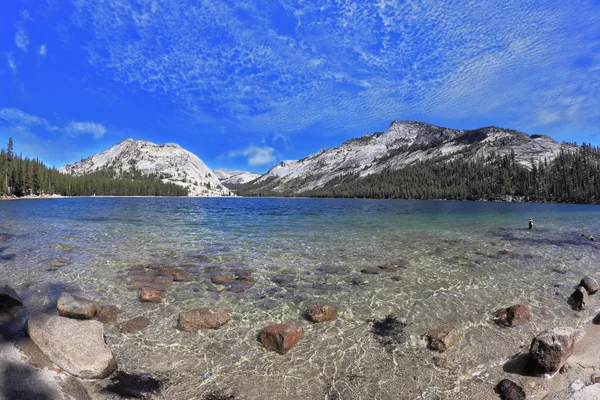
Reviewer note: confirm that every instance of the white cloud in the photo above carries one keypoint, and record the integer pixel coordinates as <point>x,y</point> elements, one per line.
<point>93,128</point>
<point>11,62</point>
<point>255,155</point>
<point>43,50</point>
<point>21,39</point>
<point>18,118</point>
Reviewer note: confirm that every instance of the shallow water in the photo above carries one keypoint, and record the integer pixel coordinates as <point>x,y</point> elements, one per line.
<point>458,262</point>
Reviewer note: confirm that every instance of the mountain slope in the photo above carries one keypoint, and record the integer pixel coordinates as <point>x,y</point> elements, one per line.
<point>169,161</point>
<point>402,144</point>
<point>228,177</point>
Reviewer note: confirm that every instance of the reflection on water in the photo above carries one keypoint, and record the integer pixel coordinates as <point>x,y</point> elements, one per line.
<point>265,260</point>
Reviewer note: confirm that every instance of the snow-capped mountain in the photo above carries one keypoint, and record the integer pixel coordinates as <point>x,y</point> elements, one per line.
<point>229,177</point>
<point>169,161</point>
<point>403,143</point>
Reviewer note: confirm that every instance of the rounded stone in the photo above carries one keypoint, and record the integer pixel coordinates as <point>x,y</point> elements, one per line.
<point>321,312</point>
<point>443,337</point>
<point>75,307</point>
<point>590,284</point>
<point>202,318</point>
<point>150,295</point>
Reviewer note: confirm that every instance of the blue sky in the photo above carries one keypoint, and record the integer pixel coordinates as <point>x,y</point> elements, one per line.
<point>246,85</point>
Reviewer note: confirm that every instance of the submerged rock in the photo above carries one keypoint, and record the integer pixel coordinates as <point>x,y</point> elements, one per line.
<point>202,318</point>
<point>550,349</point>
<point>443,337</point>
<point>175,274</point>
<point>75,307</point>
<point>241,284</point>
<point>134,386</point>
<point>107,314</point>
<point>510,391</point>
<point>150,295</point>
<point>388,331</point>
<point>590,284</point>
<point>78,347</point>
<point>9,298</point>
<point>281,337</point>
<point>514,315</point>
<point>580,299</point>
<point>134,324</point>
<point>321,312</point>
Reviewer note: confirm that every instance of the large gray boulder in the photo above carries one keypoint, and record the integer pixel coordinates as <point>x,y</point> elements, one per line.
<point>550,349</point>
<point>75,307</point>
<point>76,346</point>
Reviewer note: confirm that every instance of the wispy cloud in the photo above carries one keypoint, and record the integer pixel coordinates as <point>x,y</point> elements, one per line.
<point>93,128</point>
<point>16,117</point>
<point>10,61</point>
<point>43,50</point>
<point>255,155</point>
<point>21,39</point>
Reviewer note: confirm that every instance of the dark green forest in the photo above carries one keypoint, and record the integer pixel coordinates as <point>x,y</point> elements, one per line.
<point>572,177</point>
<point>21,176</point>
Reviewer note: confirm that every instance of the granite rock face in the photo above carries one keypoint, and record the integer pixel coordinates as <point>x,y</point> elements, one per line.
<point>78,347</point>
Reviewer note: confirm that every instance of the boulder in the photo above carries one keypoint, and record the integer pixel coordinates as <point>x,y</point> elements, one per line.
<point>281,337</point>
<point>202,318</point>
<point>443,337</point>
<point>580,299</point>
<point>590,284</point>
<point>514,315</point>
<point>107,314</point>
<point>550,349</point>
<point>321,312</point>
<point>9,298</point>
<point>78,347</point>
<point>75,307</point>
<point>134,324</point>
<point>510,391</point>
<point>150,295</point>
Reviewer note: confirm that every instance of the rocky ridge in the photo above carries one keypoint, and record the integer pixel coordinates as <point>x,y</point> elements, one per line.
<point>402,144</point>
<point>169,161</point>
<point>228,177</point>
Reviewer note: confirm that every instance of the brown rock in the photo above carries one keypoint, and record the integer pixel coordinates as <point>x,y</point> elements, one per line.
<point>281,337</point>
<point>75,307</point>
<point>321,313</point>
<point>590,284</point>
<point>241,284</point>
<point>107,314</point>
<point>443,337</point>
<point>580,299</point>
<point>134,324</point>
<point>176,274</point>
<point>514,315</point>
<point>202,318</point>
<point>550,349</point>
<point>151,295</point>
<point>222,279</point>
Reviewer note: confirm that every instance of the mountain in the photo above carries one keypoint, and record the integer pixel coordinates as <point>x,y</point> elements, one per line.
<point>402,144</point>
<point>170,162</point>
<point>229,177</point>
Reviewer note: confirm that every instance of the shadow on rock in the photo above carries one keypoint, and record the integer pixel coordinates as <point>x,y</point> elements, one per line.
<point>518,365</point>
<point>21,383</point>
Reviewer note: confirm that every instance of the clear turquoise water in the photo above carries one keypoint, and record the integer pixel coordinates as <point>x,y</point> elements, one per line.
<point>457,272</point>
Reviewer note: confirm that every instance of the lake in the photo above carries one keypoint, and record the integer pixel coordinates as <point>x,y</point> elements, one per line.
<point>445,263</point>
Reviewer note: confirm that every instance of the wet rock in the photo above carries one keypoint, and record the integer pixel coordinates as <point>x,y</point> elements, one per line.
<point>134,386</point>
<point>371,271</point>
<point>321,312</point>
<point>281,337</point>
<point>9,298</point>
<point>358,280</point>
<point>222,279</point>
<point>590,284</point>
<point>107,314</point>
<point>78,347</point>
<point>550,349</point>
<point>202,318</point>
<point>152,281</point>
<point>443,337</point>
<point>580,299</point>
<point>218,394</point>
<point>241,284</point>
<point>283,279</point>
<point>332,269</point>
<point>134,325</point>
<point>443,363</point>
<point>510,391</point>
<point>75,307</point>
<point>514,315</point>
<point>151,295</point>
<point>388,331</point>
<point>175,274</point>
<point>561,270</point>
